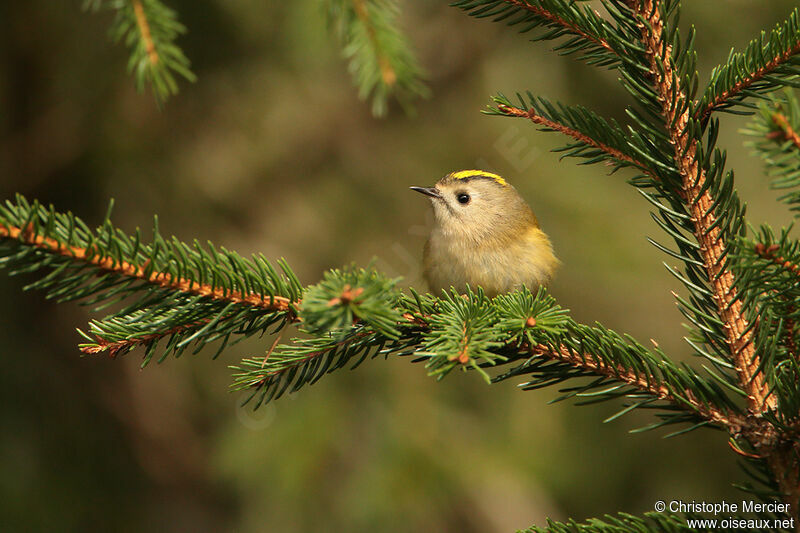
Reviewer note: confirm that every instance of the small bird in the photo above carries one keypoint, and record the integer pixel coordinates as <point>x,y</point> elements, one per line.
<point>484,235</point>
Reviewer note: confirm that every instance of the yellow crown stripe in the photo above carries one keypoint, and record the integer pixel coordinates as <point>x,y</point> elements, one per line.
<point>466,174</point>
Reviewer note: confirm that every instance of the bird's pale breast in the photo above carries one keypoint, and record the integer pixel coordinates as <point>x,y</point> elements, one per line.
<point>497,267</point>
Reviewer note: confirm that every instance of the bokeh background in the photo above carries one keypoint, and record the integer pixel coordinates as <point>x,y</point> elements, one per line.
<point>271,151</point>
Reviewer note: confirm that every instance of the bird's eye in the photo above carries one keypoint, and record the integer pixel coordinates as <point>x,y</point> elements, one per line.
<point>463,198</point>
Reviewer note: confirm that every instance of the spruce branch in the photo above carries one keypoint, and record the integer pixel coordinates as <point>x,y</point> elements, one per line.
<point>346,296</point>
<point>388,74</point>
<point>100,342</point>
<point>289,367</point>
<point>461,333</point>
<point>788,133</point>
<point>598,140</point>
<point>594,38</point>
<point>144,32</point>
<point>620,523</point>
<point>380,58</point>
<point>187,293</point>
<point>528,331</point>
<point>675,110</point>
<point>149,28</point>
<point>770,254</point>
<point>768,63</point>
<point>770,266</point>
<point>649,384</point>
<point>549,347</point>
<point>94,257</point>
<point>776,141</point>
<point>185,322</point>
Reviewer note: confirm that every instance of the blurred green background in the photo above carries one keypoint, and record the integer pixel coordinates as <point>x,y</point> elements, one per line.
<point>271,151</point>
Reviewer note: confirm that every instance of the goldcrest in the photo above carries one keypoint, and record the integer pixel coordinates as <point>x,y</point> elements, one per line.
<point>484,235</point>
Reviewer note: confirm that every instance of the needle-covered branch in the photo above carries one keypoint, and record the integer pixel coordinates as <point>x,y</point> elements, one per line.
<point>620,523</point>
<point>772,263</point>
<point>380,58</point>
<point>556,349</point>
<point>713,228</point>
<point>187,292</point>
<point>745,332</point>
<point>768,63</point>
<point>596,139</point>
<point>149,28</point>
<point>775,130</point>
<point>528,332</point>
<point>583,31</point>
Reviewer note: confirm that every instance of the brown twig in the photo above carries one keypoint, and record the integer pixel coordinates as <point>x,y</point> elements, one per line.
<point>789,134</point>
<point>768,253</point>
<point>733,422</point>
<point>789,334</point>
<point>262,378</point>
<point>735,447</point>
<point>125,345</point>
<point>752,78</point>
<point>160,279</point>
<point>278,338</point>
<point>569,26</point>
<point>144,31</point>
<point>780,455</point>
<point>388,74</point>
<point>566,130</point>
<point>701,205</point>
<point>463,354</point>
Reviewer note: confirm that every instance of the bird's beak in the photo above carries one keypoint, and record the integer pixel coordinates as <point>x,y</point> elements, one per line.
<point>433,192</point>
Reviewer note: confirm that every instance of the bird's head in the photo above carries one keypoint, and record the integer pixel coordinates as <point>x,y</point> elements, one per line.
<point>478,205</point>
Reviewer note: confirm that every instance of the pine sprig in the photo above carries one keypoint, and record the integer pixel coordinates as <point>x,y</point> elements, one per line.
<point>461,333</point>
<point>771,266</point>
<point>149,29</point>
<point>620,523</point>
<point>768,63</point>
<point>185,291</point>
<point>583,32</point>
<point>525,316</point>
<point>528,331</point>
<point>776,140</point>
<point>559,350</point>
<point>596,139</point>
<point>710,212</point>
<point>344,297</point>
<point>380,58</point>
<point>292,366</point>
<point>171,331</point>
